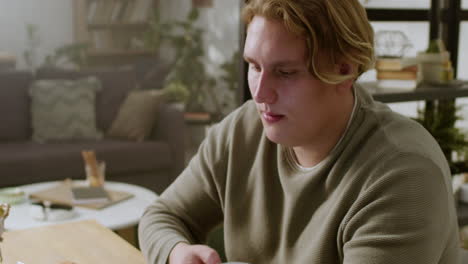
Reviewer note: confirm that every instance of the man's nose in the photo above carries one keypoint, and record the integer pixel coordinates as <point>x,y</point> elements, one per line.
<point>265,91</point>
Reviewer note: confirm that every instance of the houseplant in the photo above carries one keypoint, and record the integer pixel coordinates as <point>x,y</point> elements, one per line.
<point>187,68</point>
<point>439,117</point>
<point>32,45</point>
<point>177,93</point>
<point>74,54</point>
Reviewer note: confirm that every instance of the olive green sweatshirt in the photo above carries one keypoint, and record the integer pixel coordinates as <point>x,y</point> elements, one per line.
<point>382,196</point>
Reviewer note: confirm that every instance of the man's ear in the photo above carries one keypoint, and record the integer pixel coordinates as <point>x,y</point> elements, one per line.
<point>346,69</point>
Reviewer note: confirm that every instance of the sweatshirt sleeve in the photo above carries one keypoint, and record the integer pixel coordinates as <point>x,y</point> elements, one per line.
<point>193,204</point>
<point>405,215</point>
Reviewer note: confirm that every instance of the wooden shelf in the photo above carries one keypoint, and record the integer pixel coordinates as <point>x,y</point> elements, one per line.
<point>421,93</point>
<point>111,27</point>
<point>108,53</point>
<point>118,26</point>
<point>197,117</point>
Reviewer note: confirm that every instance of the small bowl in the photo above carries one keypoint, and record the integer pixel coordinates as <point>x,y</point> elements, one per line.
<point>12,195</point>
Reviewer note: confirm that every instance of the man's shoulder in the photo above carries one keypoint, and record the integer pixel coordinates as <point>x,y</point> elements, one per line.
<point>405,135</point>
<point>393,142</point>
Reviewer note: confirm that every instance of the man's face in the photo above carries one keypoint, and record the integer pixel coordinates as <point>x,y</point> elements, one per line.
<point>295,107</point>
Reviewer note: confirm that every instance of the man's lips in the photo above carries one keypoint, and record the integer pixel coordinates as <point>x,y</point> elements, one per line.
<point>272,117</point>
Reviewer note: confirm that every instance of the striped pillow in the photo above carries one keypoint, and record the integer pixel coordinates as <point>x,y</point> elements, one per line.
<point>64,109</point>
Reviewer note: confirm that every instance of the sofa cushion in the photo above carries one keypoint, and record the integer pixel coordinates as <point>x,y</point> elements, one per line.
<point>15,115</point>
<point>28,162</point>
<point>64,109</point>
<point>137,115</point>
<point>116,83</point>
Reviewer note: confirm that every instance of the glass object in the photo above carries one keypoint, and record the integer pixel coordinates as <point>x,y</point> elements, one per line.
<point>96,178</point>
<point>4,211</point>
<point>12,195</point>
<point>418,35</point>
<point>397,4</point>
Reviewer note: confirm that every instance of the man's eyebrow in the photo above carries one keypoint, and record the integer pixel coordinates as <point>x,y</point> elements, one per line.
<point>287,63</point>
<point>279,63</point>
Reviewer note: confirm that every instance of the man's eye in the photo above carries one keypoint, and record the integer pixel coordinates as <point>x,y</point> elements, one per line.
<point>286,73</point>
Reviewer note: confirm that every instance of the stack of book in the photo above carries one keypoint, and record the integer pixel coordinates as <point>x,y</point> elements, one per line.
<point>397,72</point>
<point>117,11</point>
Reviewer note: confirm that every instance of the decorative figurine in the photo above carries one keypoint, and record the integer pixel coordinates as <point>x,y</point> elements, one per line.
<point>4,211</point>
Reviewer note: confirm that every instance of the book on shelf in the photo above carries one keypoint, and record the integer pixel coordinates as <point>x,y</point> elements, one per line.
<point>395,64</point>
<point>109,8</point>
<point>92,8</point>
<point>141,10</point>
<point>396,68</point>
<point>397,75</point>
<point>101,12</point>
<point>127,15</point>
<point>116,9</point>
<point>102,40</point>
<point>393,84</point>
<point>98,13</point>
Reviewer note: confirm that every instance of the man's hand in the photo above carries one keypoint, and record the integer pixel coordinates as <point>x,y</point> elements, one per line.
<point>183,253</point>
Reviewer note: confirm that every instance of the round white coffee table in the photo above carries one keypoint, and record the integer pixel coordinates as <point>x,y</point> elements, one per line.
<point>123,214</point>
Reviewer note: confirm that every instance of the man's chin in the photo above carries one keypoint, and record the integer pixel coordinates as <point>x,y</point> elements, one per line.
<point>274,137</point>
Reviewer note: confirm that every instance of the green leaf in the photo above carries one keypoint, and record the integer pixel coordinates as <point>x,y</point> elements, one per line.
<point>193,15</point>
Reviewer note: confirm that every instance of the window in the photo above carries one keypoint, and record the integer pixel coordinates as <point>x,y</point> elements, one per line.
<point>400,4</point>
<point>462,52</point>
<point>463,71</point>
<point>464,4</point>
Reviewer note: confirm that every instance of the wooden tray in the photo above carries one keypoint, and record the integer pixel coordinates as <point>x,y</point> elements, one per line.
<point>61,194</point>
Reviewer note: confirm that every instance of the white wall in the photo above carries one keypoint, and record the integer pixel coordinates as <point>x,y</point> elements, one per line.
<point>54,19</point>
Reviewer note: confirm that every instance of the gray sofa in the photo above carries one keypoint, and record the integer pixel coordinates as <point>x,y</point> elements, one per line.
<point>153,163</point>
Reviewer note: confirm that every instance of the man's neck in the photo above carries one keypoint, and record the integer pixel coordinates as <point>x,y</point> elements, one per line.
<point>311,155</point>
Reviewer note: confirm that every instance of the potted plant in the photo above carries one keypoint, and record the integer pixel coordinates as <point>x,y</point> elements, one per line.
<point>435,66</point>
<point>439,119</point>
<point>177,93</point>
<point>74,54</point>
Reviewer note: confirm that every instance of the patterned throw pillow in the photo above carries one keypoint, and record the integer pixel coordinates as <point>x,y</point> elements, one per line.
<point>137,115</point>
<point>64,109</point>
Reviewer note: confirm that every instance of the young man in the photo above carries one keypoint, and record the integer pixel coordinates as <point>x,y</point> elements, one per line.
<point>312,170</point>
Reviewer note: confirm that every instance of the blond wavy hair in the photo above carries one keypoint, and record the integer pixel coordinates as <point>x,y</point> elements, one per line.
<point>338,29</point>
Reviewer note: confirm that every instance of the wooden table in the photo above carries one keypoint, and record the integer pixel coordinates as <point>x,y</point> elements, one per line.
<point>84,242</point>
